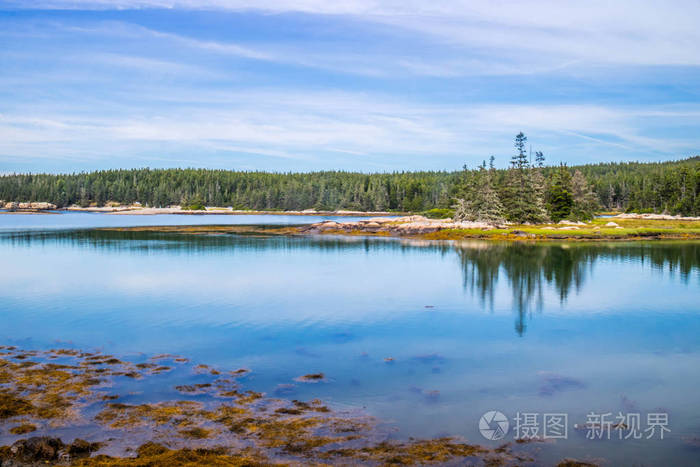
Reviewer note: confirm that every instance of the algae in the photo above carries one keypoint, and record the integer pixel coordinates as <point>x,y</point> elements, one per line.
<point>248,427</point>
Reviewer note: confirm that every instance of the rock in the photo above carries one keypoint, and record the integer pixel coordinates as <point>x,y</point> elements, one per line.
<point>611,224</point>
<point>570,227</point>
<point>412,219</point>
<point>568,222</point>
<point>36,449</point>
<point>82,448</point>
<point>520,233</point>
<point>327,225</point>
<point>469,225</point>
<point>548,228</point>
<point>408,225</point>
<point>42,206</point>
<point>14,205</point>
<point>381,220</point>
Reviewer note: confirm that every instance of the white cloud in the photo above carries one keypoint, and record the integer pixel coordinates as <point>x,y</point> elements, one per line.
<point>624,32</point>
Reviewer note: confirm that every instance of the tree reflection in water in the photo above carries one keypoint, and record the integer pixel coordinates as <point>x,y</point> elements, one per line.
<point>529,267</point>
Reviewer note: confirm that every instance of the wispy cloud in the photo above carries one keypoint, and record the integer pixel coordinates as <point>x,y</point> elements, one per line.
<point>352,84</point>
<point>625,32</point>
<point>308,127</point>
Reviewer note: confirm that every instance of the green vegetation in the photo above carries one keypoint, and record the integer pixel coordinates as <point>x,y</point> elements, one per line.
<point>478,199</point>
<point>525,193</point>
<point>522,190</point>
<point>404,192</point>
<point>194,204</point>
<point>560,201</point>
<point>439,213</point>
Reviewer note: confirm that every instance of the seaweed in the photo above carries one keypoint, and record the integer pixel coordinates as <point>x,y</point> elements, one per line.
<point>250,427</point>
<point>23,429</point>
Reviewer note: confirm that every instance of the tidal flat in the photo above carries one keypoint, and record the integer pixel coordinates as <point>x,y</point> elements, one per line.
<point>66,392</point>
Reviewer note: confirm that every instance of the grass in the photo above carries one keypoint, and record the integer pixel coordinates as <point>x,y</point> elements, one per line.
<point>631,229</point>
<point>438,213</point>
<point>596,230</point>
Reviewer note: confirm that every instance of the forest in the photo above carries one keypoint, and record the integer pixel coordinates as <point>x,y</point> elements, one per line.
<point>526,191</point>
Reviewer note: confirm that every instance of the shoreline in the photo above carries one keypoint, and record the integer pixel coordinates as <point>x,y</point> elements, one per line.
<point>602,229</point>
<point>421,228</point>
<point>624,226</point>
<point>208,417</point>
<point>145,211</point>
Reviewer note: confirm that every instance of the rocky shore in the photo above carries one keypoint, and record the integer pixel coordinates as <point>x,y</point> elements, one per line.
<point>624,226</point>
<point>407,225</point>
<point>33,206</point>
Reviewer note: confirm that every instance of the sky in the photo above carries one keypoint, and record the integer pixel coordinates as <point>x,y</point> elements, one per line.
<point>363,85</point>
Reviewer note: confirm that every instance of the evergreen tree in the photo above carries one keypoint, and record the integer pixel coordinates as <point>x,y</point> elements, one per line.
<point>521,199</point>
<point>538,178</point>
<point>539,159</point>
<point>672,187</point>
<point>560,201</point>
<point>479,201</point>
<point>585,200</point>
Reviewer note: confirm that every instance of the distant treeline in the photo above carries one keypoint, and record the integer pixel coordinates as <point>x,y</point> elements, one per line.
<point>672,187</point>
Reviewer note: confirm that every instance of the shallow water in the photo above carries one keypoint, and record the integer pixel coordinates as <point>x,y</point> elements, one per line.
<point>468,328</point>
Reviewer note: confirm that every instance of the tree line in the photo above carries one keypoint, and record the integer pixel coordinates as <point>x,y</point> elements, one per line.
<point>527,190</point>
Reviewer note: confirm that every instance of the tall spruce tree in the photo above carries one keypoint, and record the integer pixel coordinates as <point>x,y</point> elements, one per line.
<point>538,178</point>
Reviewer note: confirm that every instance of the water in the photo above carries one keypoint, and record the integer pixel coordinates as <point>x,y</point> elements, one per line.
<point>83,220</point>
<point>471,327</point>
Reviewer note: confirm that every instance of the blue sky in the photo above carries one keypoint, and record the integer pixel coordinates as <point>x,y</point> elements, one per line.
<point>355,85</point>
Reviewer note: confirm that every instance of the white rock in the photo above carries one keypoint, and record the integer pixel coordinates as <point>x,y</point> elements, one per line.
<point>40,205</point>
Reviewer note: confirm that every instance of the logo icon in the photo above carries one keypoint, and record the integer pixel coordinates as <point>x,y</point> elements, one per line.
<point>493,425</point>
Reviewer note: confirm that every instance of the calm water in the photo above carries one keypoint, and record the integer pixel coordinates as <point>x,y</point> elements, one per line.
<point>471,327</point>
<point>84,220</point>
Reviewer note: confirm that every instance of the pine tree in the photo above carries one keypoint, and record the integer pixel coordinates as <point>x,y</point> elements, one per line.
<point>493,212</point>
<point>521,199</point>
<point>538,179</point>
<point>479,201</point>
<point>560,201</point>
<point>585,200</point>
<point>539,159</point>
<point>465,209</point>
